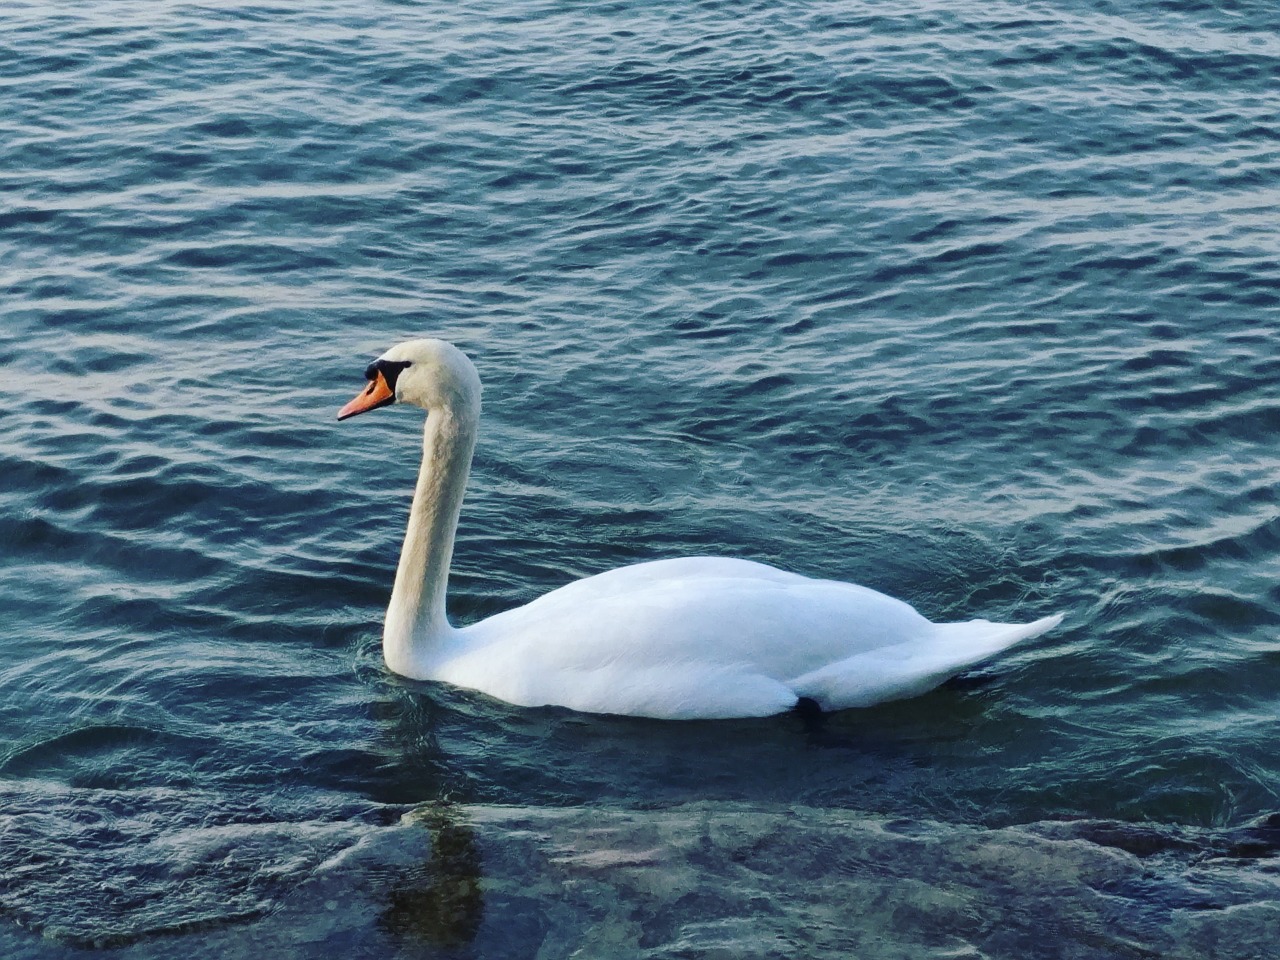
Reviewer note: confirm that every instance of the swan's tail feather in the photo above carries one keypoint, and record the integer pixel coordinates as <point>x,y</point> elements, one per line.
<point>895,672</point>
<point>975,640</point>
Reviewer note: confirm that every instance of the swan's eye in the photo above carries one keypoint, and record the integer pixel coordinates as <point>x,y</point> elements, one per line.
<point>390,370</point>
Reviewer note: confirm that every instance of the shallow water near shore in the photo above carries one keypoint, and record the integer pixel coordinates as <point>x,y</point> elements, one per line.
<point>975,304</point>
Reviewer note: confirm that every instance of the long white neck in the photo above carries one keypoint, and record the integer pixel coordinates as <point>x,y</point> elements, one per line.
<point>416,624</point>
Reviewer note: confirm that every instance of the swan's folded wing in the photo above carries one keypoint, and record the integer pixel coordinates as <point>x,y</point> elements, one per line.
<point>701,644</point>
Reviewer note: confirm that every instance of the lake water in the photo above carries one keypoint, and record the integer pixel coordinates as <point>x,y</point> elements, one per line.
<point>974,303</point>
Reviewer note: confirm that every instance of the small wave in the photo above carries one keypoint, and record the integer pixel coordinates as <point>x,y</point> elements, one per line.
<point>107,868</point>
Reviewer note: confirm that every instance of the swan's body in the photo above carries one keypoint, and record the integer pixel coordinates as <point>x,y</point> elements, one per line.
<point>695,637</point>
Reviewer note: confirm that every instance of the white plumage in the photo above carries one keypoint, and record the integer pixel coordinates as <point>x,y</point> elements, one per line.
<point>697,637</point>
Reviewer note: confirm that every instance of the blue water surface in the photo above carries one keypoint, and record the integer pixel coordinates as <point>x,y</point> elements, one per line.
<point>974,303</point>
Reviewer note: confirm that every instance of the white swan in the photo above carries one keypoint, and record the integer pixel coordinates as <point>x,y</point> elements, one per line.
<point>699,637</point>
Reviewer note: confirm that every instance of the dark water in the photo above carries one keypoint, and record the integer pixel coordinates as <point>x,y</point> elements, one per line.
<point>975,303</point>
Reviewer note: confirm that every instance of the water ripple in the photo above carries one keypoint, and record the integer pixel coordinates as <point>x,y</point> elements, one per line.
<point>974,303</point>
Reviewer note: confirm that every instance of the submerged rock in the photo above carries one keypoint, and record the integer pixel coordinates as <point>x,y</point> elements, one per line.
<point>739,880</point>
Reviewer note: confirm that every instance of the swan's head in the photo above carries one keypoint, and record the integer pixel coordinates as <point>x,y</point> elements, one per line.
<point>431,374</point>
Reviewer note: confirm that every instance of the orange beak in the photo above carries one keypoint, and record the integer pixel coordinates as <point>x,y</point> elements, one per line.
<point>376,394</point>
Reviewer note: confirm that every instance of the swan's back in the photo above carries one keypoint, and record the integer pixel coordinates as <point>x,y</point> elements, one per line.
<point>709,637</point>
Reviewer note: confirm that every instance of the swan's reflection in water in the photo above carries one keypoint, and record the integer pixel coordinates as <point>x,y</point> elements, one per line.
<point>440,904</point>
